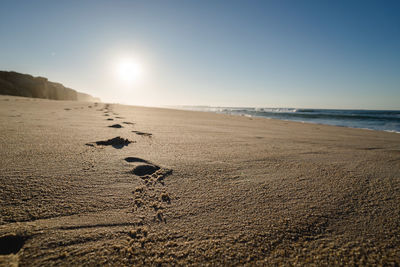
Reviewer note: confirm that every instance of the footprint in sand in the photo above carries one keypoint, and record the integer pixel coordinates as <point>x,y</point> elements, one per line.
<point>148,171</point>
<point>142,133</point>
<point>116,126</point>
<point>134,159</point>
<point>110,119</point>
<point>127,122</point>
<point>116,142</point>
<point>150,196</point>
<point>145,169</point>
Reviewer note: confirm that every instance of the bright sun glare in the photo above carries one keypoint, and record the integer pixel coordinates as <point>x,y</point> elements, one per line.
<point>128,70</point>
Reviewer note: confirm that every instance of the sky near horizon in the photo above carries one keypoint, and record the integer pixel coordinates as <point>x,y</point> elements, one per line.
<point>315,54</point>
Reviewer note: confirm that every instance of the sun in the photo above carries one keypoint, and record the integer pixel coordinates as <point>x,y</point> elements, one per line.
<point>128,70</point>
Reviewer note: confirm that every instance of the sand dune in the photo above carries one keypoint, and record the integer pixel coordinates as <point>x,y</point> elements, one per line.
<point>204,189</point>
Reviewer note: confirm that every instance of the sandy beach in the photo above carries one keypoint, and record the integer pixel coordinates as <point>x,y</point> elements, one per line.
<point>108,184</point>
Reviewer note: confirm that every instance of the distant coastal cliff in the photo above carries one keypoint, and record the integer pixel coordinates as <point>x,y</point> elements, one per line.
<point>18,84</point>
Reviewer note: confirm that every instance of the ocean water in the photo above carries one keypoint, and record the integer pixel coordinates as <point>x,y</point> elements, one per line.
<point>381,120</point>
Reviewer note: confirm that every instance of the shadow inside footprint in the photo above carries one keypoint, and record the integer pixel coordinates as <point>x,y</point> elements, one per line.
<point>116,142</point>
<point>145,169</point>
<point>116,126</point>
<point>134,159</point>
<point>11,244</point>
<point>127,122</point>
<point>110,119</point>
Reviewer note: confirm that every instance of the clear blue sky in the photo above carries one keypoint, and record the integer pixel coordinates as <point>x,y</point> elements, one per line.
<point>318,54</point>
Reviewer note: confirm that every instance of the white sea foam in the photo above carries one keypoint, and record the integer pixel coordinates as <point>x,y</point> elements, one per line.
<point>383,120</point>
